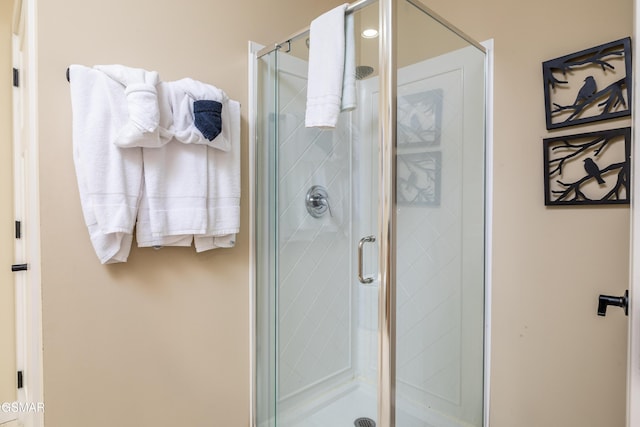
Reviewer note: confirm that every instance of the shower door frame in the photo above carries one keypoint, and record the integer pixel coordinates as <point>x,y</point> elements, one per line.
<point>386,209</point>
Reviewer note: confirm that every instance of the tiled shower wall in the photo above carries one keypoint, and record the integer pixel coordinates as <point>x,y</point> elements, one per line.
<point>314,289</point>
<point>322,332</point>
<point>429,260</point>
<point>429,254</point>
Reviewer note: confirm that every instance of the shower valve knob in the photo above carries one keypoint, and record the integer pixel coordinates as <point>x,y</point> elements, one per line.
<point>317,201</point>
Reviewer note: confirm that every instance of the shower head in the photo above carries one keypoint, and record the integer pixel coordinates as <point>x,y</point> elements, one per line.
<point>363,71</point>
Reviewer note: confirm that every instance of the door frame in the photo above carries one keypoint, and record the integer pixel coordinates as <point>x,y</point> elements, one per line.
<point>488,221</point>
<point>26,199</point>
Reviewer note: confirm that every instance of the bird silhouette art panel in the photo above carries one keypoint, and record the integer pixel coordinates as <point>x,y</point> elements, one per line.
<point>420,118</point>
<point>587,86</point>
<point>418,178</point>
<point>589,168</point>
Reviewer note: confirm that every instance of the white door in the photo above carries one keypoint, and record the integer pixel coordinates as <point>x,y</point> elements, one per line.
<point>29,412</point>
<point>19,205</point>
<point>7,297</point>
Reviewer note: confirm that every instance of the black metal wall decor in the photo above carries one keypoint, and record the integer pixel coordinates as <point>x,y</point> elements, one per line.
<point>588,169</point>
<point>590,85</point>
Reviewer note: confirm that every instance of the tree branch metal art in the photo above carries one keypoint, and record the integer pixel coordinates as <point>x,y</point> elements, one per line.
<point>587,86</point>
<point>588,169</point>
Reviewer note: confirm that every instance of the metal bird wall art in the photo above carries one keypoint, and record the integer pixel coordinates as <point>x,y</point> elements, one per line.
<point>593,170</point>
<point>600,78</point>
<point>589,168</point>
<point>586,91</point>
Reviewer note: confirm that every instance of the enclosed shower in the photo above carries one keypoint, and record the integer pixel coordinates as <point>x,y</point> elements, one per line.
<point>369,240</point>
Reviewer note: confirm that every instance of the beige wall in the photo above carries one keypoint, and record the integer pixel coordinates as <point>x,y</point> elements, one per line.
<point>554,362</point>
<point>163,340</point>
<point>7,315</point>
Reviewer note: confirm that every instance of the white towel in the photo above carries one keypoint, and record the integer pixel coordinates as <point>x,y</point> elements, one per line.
<point>176,188</point>
<point>142,128</point>
<point>223,191</point>
<point>185,95</point>
<point>349,97</point>
<point>192,188</point>
<point>159,112</point>
<point>175,177</point>
<point>145,238</point>
<point>326,68</point>
<point>109,178</point>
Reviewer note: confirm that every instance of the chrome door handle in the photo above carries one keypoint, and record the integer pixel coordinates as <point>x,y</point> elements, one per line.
<point>361,278</point>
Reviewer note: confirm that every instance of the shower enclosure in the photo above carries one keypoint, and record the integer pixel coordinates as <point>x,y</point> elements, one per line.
<point>370,238</point>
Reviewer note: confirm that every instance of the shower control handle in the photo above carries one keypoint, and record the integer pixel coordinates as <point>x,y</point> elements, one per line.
<point>317,201</point>
<point>361,278</point>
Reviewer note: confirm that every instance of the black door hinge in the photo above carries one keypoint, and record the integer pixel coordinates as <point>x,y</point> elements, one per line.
<point>18,230</point>
<point>19,267</point>
<point>20,380</point>
<point>16,77</point>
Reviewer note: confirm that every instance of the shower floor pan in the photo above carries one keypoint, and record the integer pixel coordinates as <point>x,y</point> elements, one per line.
<point>350,403</point>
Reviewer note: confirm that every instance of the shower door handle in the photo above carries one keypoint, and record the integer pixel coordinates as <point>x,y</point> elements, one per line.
<point>361,278</point>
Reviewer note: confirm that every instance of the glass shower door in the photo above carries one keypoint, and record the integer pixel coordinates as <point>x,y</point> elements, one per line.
<point>315,330</point>
<point>440,196</point>
<point>317,195</point>
<point>317,348</point>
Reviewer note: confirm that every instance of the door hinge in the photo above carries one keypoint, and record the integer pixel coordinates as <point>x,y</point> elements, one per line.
<point>19,267</point>
<point>16,77</point>
<point>20,379</point>
<point>18,230</point>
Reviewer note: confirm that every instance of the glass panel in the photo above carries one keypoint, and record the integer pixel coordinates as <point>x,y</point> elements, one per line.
<point>314,294</point>
<point>265,188</point>
<point>317,339</point>
<point>317,325</point>
<point>440,225</point>
<point>318,369</point>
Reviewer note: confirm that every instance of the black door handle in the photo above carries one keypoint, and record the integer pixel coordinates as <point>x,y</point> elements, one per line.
<point>605,300</point>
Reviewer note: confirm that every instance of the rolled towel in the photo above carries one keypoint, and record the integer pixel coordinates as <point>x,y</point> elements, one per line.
<point>141,130</point>
<point>207,118</point>
<point>188,96</point>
